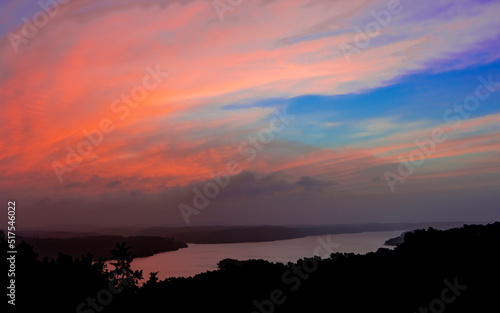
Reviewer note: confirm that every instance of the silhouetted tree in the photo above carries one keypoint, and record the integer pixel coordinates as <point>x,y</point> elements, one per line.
<point>123,274</point>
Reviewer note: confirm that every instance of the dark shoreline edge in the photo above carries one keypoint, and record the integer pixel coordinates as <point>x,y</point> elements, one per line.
<point>153,240</point>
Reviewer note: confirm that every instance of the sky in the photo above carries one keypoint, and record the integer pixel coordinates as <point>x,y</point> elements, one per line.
<point>241,112</point>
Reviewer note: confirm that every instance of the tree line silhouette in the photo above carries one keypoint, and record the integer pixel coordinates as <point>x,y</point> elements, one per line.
<point>414,277</point>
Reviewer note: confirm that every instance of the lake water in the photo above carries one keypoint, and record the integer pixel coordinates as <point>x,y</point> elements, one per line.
<point>198,258</point>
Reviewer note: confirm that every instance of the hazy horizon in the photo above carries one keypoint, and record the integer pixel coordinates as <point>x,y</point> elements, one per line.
<point>97,227</point>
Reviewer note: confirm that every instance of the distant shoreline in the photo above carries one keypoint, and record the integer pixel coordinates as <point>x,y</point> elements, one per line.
<point>152,240</point>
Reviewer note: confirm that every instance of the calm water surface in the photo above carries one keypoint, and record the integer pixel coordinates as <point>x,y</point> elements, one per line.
<point>198,258</point>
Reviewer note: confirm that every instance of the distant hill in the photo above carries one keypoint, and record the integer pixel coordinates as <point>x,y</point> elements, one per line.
<point>248,234</point>
<point>100,246</point>
<point>230,234</point>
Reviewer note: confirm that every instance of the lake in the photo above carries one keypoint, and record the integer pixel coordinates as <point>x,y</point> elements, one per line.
<point>198,258</point>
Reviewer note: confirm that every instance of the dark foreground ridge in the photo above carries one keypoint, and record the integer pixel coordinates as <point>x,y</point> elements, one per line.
<point>456,270</point>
